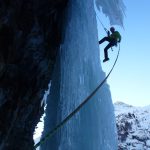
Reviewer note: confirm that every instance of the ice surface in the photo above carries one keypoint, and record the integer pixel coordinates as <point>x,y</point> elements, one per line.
<point>77,73</point>
<point>114,9</point>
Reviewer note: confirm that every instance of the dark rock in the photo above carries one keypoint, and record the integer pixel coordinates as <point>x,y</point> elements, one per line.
<point>30,35</point>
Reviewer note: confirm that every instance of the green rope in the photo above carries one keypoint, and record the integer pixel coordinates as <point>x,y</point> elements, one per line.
<point>52,132</point>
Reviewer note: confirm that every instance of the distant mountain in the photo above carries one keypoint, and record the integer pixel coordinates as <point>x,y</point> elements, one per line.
<point>133,125</point>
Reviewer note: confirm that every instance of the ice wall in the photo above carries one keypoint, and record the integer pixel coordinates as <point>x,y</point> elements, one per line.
<point>114,9</point>
<point>77,73</point>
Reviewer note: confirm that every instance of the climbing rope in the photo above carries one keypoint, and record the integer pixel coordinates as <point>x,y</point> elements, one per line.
<point>52,132</point>
<point>103,27</point>
<point>102,24</point>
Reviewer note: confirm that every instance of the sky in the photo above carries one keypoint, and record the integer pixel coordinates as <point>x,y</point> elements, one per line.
<point>130,79</point>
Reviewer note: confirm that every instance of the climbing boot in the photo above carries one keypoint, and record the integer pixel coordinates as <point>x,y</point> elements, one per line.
<point>106,59</point>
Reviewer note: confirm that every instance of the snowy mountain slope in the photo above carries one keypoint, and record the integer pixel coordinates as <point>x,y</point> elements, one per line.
<point>133,124</point>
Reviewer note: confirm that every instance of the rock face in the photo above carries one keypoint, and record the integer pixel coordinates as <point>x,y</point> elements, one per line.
<point>133,124</point>
<point>30,35</point>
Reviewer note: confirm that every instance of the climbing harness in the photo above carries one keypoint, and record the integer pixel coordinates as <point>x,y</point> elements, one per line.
<point>52,132</point>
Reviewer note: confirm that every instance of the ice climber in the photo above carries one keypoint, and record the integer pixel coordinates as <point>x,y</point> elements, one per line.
<point>113,39</point>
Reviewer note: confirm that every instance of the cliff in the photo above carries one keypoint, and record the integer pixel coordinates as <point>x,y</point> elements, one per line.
<point>30,35</point>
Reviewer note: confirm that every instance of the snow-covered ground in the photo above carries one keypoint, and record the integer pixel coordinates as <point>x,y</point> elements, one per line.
<point>133,124</point>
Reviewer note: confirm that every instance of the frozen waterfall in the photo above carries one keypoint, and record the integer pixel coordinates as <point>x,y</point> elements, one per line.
<point>77,73</point>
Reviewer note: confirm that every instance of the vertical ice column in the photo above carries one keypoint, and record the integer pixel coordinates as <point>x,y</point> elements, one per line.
<point>77,73</point>
<point>114,9</point>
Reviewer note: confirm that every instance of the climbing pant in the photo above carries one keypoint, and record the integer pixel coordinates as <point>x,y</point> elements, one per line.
<point>111,43</point>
